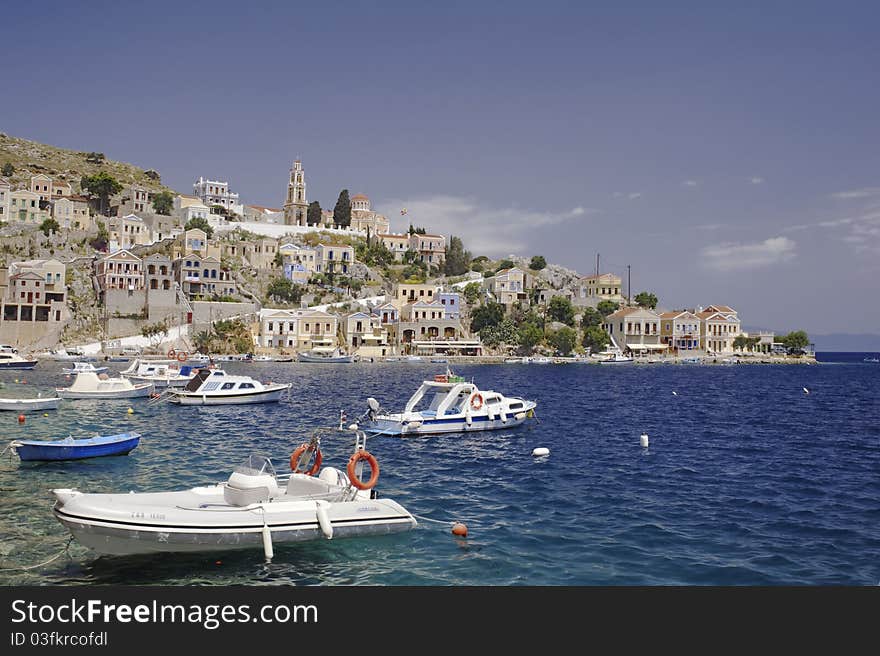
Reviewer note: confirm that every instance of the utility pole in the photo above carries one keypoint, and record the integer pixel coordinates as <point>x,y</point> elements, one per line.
<point>628,284</point>
<point>597,264</point>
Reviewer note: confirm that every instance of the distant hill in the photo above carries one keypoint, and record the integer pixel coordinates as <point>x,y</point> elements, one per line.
<point>32,157</point>
<point>858,343</point>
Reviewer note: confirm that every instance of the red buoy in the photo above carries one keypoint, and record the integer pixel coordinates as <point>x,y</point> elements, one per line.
<point>459,529</point>
<point>21,419</point>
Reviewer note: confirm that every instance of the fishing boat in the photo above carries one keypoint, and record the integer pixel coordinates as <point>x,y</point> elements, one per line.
<point>80,367</point>
<point>90,385</point>
<point>15,361</point>
<point>162,373</point>
<point>255,507</point>
<point>216,387</point>
<point>76,449</point>
<point>449,404</point>
<point>872,360</point>
<point>24,405</point>
<point>326,355</point>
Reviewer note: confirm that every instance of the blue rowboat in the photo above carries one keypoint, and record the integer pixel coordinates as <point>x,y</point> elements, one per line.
<point>76,449</point>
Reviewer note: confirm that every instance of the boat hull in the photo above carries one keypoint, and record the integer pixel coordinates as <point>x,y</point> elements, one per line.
<point>397,427</point>
<point>24,364</point>
<point>139,392</point>
<point>23,405</point>
<point>343,359</point>
<point>194,398</point>
<point>122,535</point>
<point>74,451</point>
<point>158,381</point>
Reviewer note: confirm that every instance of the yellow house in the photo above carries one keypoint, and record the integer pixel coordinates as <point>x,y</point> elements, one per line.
<point>24,207</point>
<point>404,293</point>
<point>510,286</point>
<point>680,330</point>
<point>127,231</point>
<point>719,326</point>
<point>72,212</point>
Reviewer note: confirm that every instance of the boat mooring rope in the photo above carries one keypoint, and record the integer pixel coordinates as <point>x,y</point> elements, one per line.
<point>45,562</point>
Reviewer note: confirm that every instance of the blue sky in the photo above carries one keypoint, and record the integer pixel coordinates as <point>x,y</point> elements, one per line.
<point>728,153</point>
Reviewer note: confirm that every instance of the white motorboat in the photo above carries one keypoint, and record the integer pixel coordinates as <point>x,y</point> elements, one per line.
<point>216,387</point>
<point>15,361</point>
<point>612,355</point>
<point>80,367</point>
<point>24,405</point>
<point>162,373</point>
<point>89,385</point>
<point>541,360</point>
<point>262,358</point>
<point>327,355</point>
<point>449,404</point>
<point>255,507</point>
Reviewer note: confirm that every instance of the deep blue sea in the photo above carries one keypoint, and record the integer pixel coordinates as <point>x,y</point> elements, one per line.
<point>747,480</point>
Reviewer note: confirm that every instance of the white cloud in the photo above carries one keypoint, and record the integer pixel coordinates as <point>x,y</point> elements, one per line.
<point>634,195</point>
<point>617,194</point>
<point>737,257</point>
<point>757,180</point>
<point>865,192</point>
<point>690,183</point>
<point>484,230</point>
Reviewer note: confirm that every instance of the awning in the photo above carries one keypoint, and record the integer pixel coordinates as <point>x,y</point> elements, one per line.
<point>647,347</point>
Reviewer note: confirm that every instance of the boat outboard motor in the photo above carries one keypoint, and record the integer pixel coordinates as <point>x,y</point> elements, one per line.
<point>252,482</point>
<point>374,408</point>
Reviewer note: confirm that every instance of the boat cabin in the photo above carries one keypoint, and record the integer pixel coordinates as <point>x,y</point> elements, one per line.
<point>216,380</point>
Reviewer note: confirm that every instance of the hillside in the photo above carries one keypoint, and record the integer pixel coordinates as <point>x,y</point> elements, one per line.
<point>31,157</point>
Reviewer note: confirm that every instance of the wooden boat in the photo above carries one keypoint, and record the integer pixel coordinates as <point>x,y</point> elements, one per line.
<point>24,405</point>
<point>76,449</point>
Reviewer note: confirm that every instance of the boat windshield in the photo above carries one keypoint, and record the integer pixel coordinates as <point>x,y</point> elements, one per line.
<point>430,403</point>
<point>255,466</point>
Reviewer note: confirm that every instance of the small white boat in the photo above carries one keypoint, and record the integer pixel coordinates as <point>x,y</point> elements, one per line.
<point>262,358</point>
<point>449,404</point>
<point>439,360</point>
<point>216,387</point>
<point>15,361</point>
<point>541,360</point>
<point>80,367</point>
<point>327,355</point>
<point>24,405</point>
<point>524,360</point>
<point>89,385</point>
<point>873,360</point>
<point>254,508</point>
<point>613,355</point>
<point>162,373</point>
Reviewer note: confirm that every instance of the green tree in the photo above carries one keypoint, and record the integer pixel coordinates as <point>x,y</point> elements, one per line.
<point>591,318</point>
<point>103,185</point>
<point>200,223</point>
<point>503,264</point>
<point>607,307</point>
<point>529,336</point>
<point>48,226</point>
<point>8,169</point>
<point>560,309</point>
<point>646,300</point>
<point>95,158</point>
<point>477,266</point>
<point>538,262</point>
<point>740,342</point>
<point>490,314</point>
<point>278,260</point>
<point>202,341</point>
<point>342,210</point>
<point>563,340</point>
<point>163,203</point>
<point>457,258</point>
<point>282,289</point>
<point>471,292</point>
<point>155,332</point>
<point>504,332</point>
<point>595,339</point>
<point>795,341</point>
<point>100,242</point>
<point>313,214</point>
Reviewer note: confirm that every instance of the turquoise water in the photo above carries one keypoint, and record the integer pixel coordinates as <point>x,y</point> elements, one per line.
<point>747,480</point>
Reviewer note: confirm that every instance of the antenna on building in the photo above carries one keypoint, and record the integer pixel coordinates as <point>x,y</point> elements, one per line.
<point>597,264</point>
<point>628,284</point>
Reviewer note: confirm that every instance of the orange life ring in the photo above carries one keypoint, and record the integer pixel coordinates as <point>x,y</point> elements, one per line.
<point>352,474</point>
<point>182,356</point>
<point>172,353</point>
<point>295,456</point>
<point>477,401</point>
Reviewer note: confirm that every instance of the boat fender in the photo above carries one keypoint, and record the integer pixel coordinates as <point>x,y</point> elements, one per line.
<point>267,540</point>
<point>323,519</point>
<point>374,467</point>
<point>330,476</point>
<point>414,423</point>
<point>519,416</point>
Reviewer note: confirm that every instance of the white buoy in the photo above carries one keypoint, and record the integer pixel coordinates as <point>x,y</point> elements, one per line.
<point>806,391</point>
<point>541,451</point>
<point>267,541</point>
<point>643,440</point>
<point>323,519</point>
<point>674,393</point>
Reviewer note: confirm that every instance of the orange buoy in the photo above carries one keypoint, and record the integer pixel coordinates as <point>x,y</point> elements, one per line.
<point>21,419</point>
<point>459,529</point>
